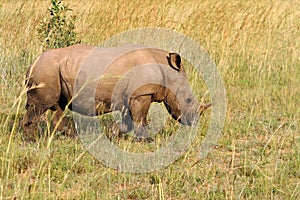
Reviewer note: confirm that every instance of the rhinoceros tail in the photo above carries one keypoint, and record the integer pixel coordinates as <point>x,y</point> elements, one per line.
<point>29,72</point>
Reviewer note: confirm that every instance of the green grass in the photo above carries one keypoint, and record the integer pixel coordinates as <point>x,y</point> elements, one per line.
<point>256,46</point>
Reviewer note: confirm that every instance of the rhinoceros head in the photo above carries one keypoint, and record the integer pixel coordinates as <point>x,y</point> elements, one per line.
<point>179,100</point>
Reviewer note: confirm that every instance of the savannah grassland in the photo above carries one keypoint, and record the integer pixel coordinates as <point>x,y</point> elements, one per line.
<point>256,46</point>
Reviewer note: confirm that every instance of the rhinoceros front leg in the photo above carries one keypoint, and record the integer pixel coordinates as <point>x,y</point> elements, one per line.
<point>139,107</point>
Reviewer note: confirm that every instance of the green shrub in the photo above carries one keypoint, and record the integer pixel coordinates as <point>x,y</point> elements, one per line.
<point>58,30</point>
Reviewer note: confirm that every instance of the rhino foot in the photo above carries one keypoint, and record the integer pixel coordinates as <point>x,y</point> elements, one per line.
<point>146,140</point>
<point>125,127</point>
<point>142,135</point>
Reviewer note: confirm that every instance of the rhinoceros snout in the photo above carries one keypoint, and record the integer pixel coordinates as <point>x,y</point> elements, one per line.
<point>189,118</point>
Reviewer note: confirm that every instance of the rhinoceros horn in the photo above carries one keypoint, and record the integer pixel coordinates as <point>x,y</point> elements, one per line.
<point>202,108</point>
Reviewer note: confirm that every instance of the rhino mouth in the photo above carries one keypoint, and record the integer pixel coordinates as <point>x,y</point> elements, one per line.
<point>189,119</point>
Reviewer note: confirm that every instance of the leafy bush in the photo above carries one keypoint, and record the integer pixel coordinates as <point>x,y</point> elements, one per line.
<point>58,30</point>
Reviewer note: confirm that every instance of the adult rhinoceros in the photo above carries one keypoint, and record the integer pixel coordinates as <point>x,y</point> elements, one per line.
<point>127,78</point>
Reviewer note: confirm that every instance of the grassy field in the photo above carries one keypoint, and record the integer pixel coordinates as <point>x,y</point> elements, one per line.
<point>256,46</point>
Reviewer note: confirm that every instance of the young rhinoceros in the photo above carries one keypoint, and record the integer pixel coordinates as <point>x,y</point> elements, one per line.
<point>92,81</point>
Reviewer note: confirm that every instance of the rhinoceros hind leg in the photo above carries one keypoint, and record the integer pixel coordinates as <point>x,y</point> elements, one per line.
<point>37,103</point>
<point>31,120</point>
<point>61,123</point>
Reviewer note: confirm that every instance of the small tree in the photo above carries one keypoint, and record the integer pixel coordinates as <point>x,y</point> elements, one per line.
<point>58,30</point>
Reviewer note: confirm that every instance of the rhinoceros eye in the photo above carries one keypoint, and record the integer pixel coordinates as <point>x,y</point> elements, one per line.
<point>188,100</point>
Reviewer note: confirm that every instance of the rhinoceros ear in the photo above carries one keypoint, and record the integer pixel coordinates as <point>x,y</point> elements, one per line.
<point>174,61</point>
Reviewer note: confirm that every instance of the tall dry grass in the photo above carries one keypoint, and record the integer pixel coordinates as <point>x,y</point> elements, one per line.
<point>256,47</point>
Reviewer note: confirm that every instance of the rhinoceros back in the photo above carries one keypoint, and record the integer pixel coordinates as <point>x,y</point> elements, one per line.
<point>82,77</point>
